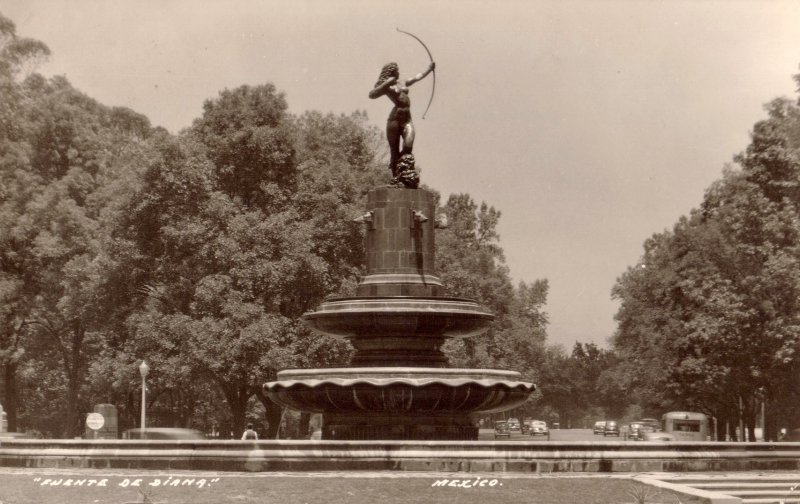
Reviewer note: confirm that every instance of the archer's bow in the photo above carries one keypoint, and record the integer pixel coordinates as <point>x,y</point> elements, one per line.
<point>433,89</point>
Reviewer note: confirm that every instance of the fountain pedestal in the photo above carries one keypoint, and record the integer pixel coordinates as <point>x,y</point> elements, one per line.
<point>401,388</point>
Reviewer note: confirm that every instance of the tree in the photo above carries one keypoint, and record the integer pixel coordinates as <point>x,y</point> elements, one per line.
<point>710,315</point>
<point>17,55</point>
<point>471,264</point>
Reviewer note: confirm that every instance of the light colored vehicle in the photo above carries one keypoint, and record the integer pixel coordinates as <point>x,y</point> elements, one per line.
<point>163,433</point>
<point>513,424</point>
<point>14,435</point>
<point>599,427</point>
<point>657,436</point>
<point>651,422</point>
<point>686,425</point>
<point>611,428</point>
<point>539,428</point>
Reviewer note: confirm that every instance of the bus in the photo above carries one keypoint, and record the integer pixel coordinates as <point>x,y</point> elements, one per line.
<point>685,425</point>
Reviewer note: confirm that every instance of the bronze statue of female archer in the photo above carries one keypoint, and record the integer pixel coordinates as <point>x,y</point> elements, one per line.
<point>399,127</point>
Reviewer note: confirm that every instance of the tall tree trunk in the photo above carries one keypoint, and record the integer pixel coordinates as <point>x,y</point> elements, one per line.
<point>74,368</point>
<point>237,395</point>
<point>273,414</point>
<point>10,401</point>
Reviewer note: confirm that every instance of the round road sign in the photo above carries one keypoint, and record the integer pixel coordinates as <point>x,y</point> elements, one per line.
<point>95,421</point>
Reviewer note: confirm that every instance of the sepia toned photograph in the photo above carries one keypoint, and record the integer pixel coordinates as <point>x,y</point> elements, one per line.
<point>257,251</point>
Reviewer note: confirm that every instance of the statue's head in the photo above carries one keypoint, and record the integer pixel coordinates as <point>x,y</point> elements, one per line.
<point>388,70</point>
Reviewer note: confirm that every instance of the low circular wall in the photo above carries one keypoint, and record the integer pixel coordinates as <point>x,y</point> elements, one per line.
<point>433,456</point>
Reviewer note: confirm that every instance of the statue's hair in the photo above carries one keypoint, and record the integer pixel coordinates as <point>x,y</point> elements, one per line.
<point>388,70</point>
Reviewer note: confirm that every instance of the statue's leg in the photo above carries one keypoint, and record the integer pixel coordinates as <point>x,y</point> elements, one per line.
<point>393,136</point>
<point>408,138</point>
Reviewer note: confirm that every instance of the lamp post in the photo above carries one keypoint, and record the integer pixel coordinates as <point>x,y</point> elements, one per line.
<point>143,370</point>
<point>762,393</point>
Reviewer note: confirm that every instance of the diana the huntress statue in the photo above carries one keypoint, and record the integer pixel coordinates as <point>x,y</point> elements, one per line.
<point>399,127</point>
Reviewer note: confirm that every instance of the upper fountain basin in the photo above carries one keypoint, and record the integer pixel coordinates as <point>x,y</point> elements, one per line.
<point>399,316</point>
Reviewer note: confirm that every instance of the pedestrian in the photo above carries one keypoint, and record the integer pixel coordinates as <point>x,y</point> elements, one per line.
<point>249,433</point>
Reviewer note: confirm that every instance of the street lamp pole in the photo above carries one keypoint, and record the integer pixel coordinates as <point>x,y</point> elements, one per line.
<point>143,370</point>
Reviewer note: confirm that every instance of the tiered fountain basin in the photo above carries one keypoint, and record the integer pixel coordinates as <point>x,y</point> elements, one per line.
<point>399,402</point>
<point>409,316</point>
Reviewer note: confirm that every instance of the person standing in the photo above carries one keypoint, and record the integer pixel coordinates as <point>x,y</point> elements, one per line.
<point>250,434</point>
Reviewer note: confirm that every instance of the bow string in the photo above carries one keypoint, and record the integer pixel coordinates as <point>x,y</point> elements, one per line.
<point>433,88</point>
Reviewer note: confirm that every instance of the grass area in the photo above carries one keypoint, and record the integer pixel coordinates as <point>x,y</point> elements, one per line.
<point>32,487</point>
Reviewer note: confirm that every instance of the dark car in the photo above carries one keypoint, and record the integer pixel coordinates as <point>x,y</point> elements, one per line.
<point>526,426</point>
<point>163,433</point>
<point>501,429</point>
<point>611,428</point>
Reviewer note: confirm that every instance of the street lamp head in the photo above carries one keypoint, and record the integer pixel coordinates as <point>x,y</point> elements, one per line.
<point>144,369</point>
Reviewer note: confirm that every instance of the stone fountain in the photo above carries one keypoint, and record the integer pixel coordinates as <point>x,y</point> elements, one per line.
<point>399,386</point>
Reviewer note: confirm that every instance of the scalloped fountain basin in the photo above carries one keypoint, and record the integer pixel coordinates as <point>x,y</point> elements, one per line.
<point>427,391</point>
<point>410,316</point>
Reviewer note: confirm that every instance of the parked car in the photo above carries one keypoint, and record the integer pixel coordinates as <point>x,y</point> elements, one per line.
<point>539,428</point>
<point>599,427</point>
<point>633,431</point>
<point>14,435</point>
<point>526,425</point>
<point>646,427</point>
<point>163,433</point>
<point>611,428</point>
<point>501,429</point>
<point>513,424</point>
<point>658,436</point>
<point>653,423</point>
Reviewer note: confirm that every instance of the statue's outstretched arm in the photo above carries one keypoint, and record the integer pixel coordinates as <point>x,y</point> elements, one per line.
<point>422,75</point>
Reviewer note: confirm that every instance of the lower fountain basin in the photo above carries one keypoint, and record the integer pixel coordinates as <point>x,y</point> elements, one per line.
<point>381,391</point>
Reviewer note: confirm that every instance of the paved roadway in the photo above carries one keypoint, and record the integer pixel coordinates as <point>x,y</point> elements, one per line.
<point>555,435</point>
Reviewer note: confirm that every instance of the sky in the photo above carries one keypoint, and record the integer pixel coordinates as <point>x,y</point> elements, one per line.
<point>590,125</point>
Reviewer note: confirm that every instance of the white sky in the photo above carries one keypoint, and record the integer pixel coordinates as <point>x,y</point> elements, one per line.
<point>589,125</point>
